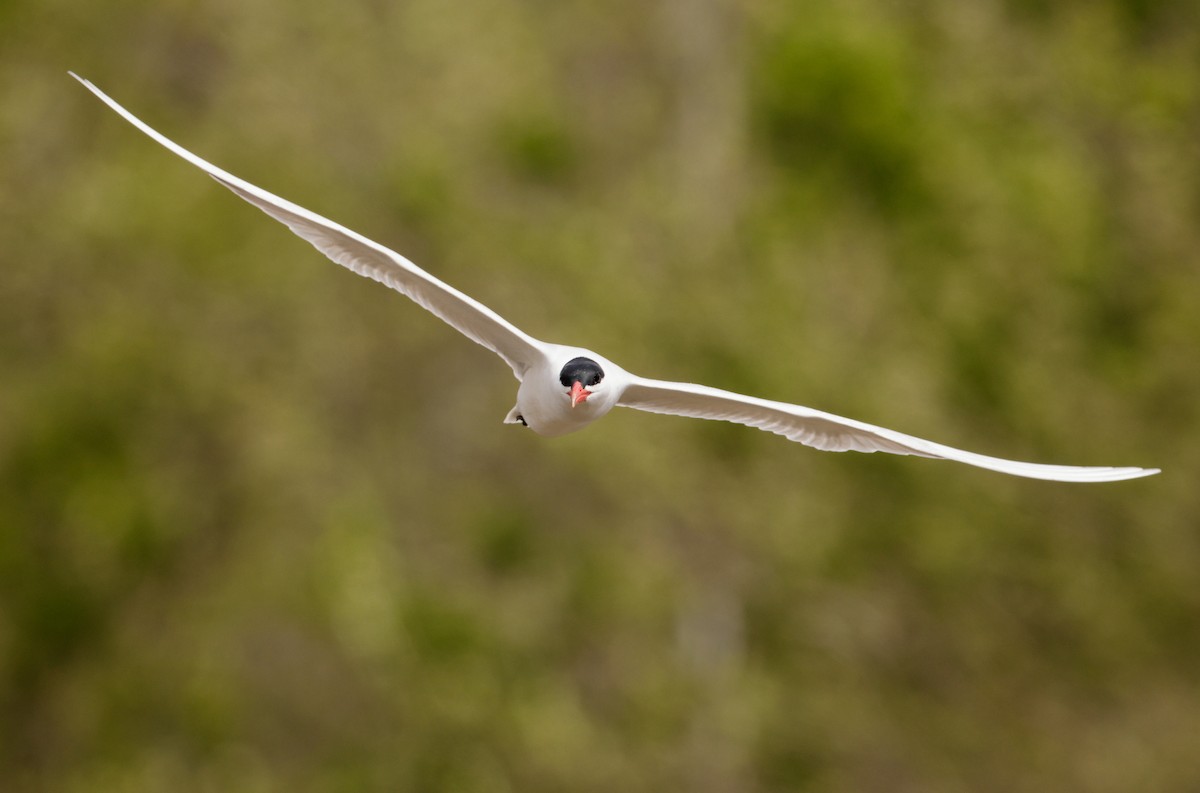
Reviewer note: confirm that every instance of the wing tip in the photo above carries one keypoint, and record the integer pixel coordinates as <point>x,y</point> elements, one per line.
<point>1098,474</point>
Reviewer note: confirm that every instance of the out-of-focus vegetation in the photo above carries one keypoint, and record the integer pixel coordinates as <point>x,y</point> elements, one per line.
<point>261,527</point>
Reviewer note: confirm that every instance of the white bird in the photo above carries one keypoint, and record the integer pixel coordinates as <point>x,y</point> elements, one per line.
<point>564,389</point>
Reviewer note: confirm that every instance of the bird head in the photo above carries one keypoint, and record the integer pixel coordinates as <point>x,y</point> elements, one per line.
<point>581,377</point>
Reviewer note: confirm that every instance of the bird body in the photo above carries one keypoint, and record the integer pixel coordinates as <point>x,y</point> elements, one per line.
<point>544,401</point>
<point>564,389</point>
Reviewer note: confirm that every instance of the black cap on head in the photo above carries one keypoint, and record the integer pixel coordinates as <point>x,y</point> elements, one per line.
<point>583,370</point>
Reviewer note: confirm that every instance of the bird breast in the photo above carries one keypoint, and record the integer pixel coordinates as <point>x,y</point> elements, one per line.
<point>546,407</point>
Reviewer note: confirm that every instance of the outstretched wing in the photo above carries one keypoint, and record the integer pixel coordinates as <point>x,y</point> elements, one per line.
<point>832,433</point>
<point>365,257</point>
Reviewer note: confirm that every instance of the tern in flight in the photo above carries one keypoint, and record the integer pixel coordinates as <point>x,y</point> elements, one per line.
<point>564,389</point>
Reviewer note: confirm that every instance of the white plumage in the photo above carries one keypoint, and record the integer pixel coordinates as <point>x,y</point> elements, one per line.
<point>563,389</point>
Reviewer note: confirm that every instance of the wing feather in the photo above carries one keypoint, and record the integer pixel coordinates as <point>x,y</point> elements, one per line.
<point>832,433</point>
<point>368,258</point>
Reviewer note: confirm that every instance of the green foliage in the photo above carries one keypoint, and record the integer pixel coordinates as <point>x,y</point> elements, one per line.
<point>840,110</point>
<point>261,527</point>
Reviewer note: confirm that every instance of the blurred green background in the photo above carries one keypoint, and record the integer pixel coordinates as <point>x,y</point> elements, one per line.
<point>261,527</point>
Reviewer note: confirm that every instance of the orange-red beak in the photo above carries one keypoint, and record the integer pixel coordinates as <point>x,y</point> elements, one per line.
<point>579,393</point>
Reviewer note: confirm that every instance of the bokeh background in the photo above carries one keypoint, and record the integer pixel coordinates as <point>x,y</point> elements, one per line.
<point>261,527</point>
